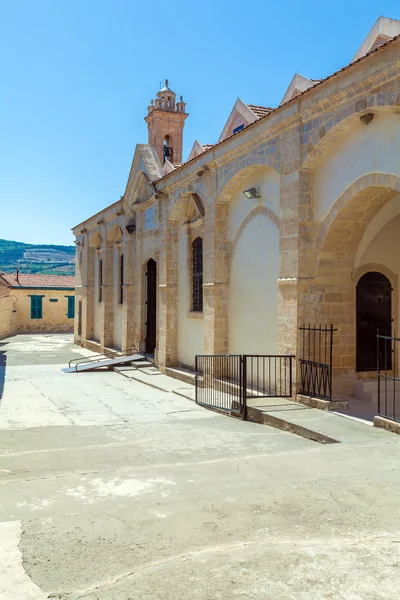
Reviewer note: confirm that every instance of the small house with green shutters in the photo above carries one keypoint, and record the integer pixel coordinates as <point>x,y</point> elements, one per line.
<point>36,303</point>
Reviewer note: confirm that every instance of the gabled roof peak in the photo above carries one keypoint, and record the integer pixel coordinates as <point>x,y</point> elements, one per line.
<point>383,30</point>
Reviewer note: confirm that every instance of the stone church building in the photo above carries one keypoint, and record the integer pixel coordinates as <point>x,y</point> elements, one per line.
<point>291,217</point>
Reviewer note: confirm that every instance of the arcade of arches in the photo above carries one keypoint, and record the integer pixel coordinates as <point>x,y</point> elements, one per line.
<point>315,239</point>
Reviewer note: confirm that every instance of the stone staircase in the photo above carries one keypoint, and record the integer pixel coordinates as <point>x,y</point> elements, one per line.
<point>366,390</point>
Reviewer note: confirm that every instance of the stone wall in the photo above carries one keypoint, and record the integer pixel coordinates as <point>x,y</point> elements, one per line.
<point>7,319</point>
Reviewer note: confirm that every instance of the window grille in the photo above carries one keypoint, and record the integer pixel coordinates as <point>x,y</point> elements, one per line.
<point>197,252</point>
<point>121,279</point>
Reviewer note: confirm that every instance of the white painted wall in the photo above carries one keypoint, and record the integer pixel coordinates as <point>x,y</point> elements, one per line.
<point>253,288</point>
<point>97,304</point>
<point>385,247</point>
<point>190,330</point>
<point>388,212</point>
<point>117,307</point>
<point>374,148</point>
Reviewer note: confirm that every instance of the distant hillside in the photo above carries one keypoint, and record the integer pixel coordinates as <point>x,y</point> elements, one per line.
<point>37,258</point>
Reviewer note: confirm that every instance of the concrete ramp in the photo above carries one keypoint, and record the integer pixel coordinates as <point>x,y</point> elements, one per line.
<point>102,361</point>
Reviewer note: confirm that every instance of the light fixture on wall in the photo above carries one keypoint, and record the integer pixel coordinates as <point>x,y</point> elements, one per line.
<point>202,170</point>
<point>253,192</point>
<point>367,118</point>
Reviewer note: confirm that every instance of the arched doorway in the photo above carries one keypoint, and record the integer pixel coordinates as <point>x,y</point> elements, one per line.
<point>151,305</point>
<point>373,312</point>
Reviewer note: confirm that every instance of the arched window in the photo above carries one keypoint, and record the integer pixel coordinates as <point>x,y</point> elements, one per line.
<point>168,152</point>
<point>121,279</point>
<point>100,280</point>
<point>197,253</point>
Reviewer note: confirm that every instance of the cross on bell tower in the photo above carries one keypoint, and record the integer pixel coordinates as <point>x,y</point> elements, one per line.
<point>165,121</point>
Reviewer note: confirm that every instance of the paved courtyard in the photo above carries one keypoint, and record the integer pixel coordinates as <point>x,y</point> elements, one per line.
<point>113,490</point>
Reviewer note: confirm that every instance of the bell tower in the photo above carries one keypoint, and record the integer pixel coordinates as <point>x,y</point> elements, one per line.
<point>165,121</point>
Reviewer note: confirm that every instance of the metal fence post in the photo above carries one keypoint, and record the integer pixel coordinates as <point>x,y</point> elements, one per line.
<point>243,363</point>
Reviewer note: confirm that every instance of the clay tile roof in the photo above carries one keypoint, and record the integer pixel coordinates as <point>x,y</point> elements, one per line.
<point>31,280</point>
<point>260,111</point>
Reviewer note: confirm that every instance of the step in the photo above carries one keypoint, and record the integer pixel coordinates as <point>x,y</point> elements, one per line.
<point>324,427</point>
<point>181,373</point>
<point>371,385</point>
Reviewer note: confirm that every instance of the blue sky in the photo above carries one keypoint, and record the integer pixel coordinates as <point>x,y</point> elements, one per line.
<point>77,78</point>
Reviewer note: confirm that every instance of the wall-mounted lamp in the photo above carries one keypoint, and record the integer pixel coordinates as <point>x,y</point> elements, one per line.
<point>203,170</point>
<point>367,118</point>
<point>253,192</point>
<point>130,228</point>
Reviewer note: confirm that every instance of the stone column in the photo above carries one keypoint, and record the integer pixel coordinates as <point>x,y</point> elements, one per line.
<point>106,332</point>
<point>168,293</point>
<point>216,279</point>
<point>128,337</point>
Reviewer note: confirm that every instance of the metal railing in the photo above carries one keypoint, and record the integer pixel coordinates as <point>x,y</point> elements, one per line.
<point>224,382</point>
<point>388,404</point>
<point>268,376</point>
<point>316,361</point>
<point>219,383</point>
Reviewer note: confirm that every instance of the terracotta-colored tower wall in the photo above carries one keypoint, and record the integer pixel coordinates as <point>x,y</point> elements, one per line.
<point>165,122</point>
<point>162,123</point>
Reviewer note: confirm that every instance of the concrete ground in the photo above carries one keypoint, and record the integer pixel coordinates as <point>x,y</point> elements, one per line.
<point>114,490</point>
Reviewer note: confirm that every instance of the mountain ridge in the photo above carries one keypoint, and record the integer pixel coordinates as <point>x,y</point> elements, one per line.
<point>49,259</point>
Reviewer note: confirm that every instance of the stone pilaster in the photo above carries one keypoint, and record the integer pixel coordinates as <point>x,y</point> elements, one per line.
<point>88,292</point>
<point>106,332</point>
<point>297,256</point>
<point>128,338</point>
<point>168,294</point>
<point>139,333</point>
<point>216,279</point>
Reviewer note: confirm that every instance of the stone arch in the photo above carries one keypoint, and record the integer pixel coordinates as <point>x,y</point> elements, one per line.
<point>330,297</point>
<point>96,240</point>
<point>185,207</point>
<point>358,204</point>
<point>115,233</point>
<point>235,174</point>
<point>258,210</point>
<point>334,124</point>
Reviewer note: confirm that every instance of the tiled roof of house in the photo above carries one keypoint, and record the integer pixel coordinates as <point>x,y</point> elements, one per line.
<point>31,280</point>
<point>260,111</point>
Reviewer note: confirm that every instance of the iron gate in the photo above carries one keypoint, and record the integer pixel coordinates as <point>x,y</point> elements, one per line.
<point>225,381</point>
<point>316,361</point>
<point>388,380</point>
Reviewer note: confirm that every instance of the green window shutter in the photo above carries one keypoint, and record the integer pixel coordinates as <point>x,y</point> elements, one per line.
<point>36,307</point>
<point>71,307</point>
